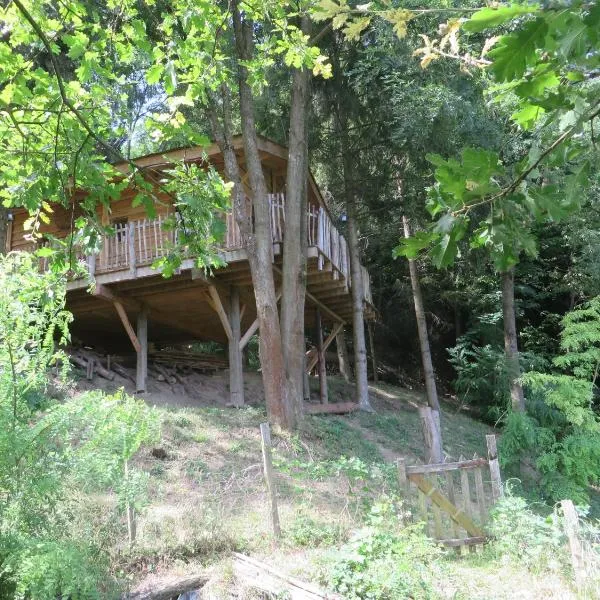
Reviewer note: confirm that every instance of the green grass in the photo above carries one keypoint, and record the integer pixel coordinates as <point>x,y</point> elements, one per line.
<point>207,498</point>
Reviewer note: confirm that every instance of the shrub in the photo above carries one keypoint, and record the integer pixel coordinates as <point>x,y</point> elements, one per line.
<point>52,452</point>
<point>306,531</point>
<point>385,560</point>
<point>524,537</point>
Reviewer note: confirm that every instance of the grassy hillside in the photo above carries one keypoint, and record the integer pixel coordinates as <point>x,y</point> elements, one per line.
<point>206,496</point>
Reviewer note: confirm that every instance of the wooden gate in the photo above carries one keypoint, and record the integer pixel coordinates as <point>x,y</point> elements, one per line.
<point>454,498</point>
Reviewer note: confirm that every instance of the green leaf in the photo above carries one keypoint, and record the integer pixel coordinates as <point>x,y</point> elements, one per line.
<point>515,52</point>
<point>412,246</point>
<point>444,252</point>
<point>171,78</point>
<point>492,17</point>
<point>154,73</point>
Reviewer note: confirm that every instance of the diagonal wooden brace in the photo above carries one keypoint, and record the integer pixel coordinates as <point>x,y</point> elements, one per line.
<point>253,328</point>
<point>314,359</point>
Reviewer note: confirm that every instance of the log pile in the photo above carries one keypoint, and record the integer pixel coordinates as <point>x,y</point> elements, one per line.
<point>206,363</point>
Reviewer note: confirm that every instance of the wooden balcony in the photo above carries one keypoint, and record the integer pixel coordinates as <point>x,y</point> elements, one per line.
<point>139,243</point>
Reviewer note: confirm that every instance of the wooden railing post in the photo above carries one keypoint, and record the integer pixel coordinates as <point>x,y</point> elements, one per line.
<point>91,264</point>
<point>131,248</point>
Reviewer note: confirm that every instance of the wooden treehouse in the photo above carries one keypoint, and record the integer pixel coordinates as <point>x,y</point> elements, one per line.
<point>133,306</point>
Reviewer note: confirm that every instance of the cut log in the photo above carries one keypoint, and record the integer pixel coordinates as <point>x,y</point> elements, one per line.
<point>338,408</point>
<point>258,575</point>
<point>122,371</point>
<point>170,589</point>
<point>98,368</point>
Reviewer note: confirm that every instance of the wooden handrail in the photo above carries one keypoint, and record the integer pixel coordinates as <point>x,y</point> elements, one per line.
<point>441,467</point>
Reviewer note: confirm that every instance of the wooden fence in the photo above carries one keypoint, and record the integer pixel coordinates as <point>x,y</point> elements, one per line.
<point>454,498</point>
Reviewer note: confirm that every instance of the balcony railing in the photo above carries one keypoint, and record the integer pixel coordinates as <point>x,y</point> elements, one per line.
<point>139,243</point>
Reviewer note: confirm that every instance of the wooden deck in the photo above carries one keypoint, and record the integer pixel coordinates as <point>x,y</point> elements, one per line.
<point>181,308</point>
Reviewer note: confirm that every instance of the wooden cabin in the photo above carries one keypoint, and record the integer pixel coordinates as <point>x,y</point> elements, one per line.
<point>133,305</point>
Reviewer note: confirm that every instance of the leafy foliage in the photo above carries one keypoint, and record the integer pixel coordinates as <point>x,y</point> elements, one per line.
<point>522,536</point>
<point>562,429</point>
<point>51,451</point>
<point>386,559</point>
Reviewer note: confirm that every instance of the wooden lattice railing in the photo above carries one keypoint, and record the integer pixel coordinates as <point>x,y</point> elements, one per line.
<point>141,242</point>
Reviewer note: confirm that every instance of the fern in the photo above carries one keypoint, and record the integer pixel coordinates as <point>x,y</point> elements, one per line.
<point>562,429</point>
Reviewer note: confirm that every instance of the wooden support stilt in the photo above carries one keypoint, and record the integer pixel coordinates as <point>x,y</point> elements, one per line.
<point>236,370</point>
<point>312,361</point>
<point>373,356</point>
<point>321,358</point>
<point>141,372</point>
<point>265,432</point>
<point>306,381</point>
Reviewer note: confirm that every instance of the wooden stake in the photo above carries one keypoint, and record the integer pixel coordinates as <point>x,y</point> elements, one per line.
<point>141,371</point>
<point>321,358</point>
<point>265,433</point>
<point>89,374</point>
<point>494,466</point>
<point>571,527</point>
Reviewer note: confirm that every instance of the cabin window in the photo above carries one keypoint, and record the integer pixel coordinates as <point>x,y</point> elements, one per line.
<point>120,227</point>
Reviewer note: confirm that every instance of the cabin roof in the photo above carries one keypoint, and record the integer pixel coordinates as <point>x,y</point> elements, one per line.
<point>163,160</point>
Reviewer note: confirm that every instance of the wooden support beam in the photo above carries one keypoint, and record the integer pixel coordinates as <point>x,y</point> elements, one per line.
<point>220,310</point>
<point>157,316</point>
<point>330,313</point>
<point>236,367</point>
<point>126,323</point>
<point>253,328</point>
<point>141,371</point>
<point>312,361</point>
<point>249,333</point>
<point>321,358</point>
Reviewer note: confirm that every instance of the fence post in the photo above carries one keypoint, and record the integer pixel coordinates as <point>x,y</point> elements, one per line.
<point>571,528</point>
<point>402,478</point>
<point>494,466</point>
<point>265,434</point>
<point>431,433</point>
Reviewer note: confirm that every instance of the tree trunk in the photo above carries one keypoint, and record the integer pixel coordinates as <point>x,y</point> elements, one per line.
<point>428,372</point>
<point>343,358</point>
<point>259,244</point>
<point>358,298</point>
<point>295,240</point>
<point>511,348</point>
<point>358,295</point>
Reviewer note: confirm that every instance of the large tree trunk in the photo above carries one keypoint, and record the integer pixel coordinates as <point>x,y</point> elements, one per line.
<point>511,348</point>
<point>358,299</point>
<point>295,241</point>
<point>343,358</point>
<point>428,372</point>
<point>358,295</point>
<point>259,245</point>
